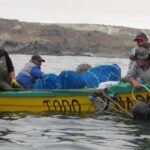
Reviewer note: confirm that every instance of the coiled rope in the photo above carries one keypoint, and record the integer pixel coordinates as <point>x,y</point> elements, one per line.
<point>99,100</point>
<point>115,103</point>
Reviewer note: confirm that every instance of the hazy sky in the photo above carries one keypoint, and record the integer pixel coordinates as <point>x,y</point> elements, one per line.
<point>131,13</point>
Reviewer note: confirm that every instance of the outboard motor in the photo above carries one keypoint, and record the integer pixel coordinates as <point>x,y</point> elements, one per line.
<point>141,111</point>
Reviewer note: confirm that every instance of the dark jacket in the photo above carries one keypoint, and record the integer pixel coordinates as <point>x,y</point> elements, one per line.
<point>8,60</point>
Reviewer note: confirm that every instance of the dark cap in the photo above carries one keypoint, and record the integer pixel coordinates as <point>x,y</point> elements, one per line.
<point>140,36</point>
<point>37,57</point>
<point>141,53</point>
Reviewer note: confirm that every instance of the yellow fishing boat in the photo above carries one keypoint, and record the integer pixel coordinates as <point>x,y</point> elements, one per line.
<point>70,101</point>
<point>122,97</point>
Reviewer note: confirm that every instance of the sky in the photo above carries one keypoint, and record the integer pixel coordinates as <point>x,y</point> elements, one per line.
<point>128,13</point>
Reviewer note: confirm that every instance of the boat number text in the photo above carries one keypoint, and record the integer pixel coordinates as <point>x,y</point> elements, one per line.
<point>128,103</point>
<point>63,106</point>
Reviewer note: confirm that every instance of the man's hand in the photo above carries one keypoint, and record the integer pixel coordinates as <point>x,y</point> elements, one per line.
<point>136,85</point>
<point>15,84</point>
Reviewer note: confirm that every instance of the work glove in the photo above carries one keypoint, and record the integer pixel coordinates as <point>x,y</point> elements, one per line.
<point>15,84</point>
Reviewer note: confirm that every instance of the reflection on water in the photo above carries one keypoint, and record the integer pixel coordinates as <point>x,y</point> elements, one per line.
<point>107,131</point>
<point>24,131</point>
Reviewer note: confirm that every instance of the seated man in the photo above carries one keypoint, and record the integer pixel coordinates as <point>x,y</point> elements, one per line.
<point>31,72</point>
<point>140,68</point>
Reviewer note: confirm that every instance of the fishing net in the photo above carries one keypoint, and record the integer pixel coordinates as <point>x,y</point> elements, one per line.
<point>100,74</point>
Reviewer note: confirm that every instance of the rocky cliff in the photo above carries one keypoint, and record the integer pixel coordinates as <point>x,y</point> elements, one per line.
<point>66,39</point>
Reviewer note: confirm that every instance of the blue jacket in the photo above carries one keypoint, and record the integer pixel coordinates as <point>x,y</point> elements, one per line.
<point>29,74</point>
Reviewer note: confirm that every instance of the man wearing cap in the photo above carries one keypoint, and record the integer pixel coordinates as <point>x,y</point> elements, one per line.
<point>142,41</point>
<point>141,67</point>
<point>31,72</point>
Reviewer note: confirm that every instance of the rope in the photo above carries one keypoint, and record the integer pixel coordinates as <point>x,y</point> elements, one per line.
<point>145,87</point>
<point>124,110</point>
<point>97,103</point>
<point>128,113</point>
<point>134,90</point>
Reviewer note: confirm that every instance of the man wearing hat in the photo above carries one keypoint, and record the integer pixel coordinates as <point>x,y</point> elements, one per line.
<point>141,67</point>
<point>142,41</point>
<point>31,72</point>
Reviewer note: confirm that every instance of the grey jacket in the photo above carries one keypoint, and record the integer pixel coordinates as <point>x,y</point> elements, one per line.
<point>137,71</point>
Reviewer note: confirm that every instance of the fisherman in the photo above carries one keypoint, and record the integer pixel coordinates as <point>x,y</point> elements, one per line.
<point>141,68</point>
<point>7,73</point>
<point>31,72</point>
<point>142,41</point>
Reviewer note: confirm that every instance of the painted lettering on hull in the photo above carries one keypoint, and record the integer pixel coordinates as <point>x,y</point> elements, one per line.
<point>63,105</point>
<point>128,102</point>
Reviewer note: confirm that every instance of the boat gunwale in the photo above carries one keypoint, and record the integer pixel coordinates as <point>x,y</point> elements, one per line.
<point>123,88</point>
<point>47,93</point>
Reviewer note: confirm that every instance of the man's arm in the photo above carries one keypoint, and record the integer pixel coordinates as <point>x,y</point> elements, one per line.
<point>133,81</point>
<point>132,75</point>
<point>9,63</point>
<point>11,71</point>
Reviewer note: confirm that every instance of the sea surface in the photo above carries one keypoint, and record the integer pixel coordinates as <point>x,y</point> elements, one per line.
<point>63,132</point>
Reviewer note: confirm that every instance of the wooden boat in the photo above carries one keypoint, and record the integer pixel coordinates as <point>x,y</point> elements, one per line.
<point>70,101</point>
<point>122,97</point>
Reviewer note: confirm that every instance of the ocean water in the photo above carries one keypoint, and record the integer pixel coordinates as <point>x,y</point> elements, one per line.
<point>55,64</point>
<point>61,132</point>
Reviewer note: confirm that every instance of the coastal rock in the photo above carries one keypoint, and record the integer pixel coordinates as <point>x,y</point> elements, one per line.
<point>66,39</point>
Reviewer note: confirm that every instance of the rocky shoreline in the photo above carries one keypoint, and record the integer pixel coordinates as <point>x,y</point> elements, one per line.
<point>66,39</point>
